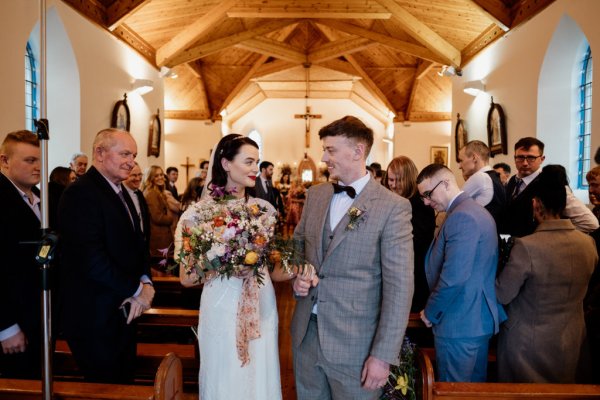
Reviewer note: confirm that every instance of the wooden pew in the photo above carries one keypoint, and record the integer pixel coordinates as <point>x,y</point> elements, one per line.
<point>432,390</point>
<point>167,386</point>
<point>170,293</point>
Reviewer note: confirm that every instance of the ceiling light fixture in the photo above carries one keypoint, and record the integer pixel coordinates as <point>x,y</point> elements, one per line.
<point>166,72</point>
<point>473,88</point>
<point>142,86</point>
<point>448,70</point>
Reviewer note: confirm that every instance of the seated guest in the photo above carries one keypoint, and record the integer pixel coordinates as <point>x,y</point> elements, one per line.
<point>20,288</point>
<point>192,193</point>
<point>161,221</point>
<point>60,178</point>
<point>543,285</point>
<point>402,179</point>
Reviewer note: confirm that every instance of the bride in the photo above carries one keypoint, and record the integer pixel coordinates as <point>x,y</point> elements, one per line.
<point>237,332</point>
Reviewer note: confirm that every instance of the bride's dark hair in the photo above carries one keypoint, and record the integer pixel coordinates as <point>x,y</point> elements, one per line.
<point>228,147</point>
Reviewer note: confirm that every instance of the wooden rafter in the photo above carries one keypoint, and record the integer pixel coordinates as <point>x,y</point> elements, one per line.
<point>273,48</point>
<point>386,40</point>
<point>186,114</point>
<point>525,9</point>
<point>216,45</point>
<point>244,81</point>
<point>188,36</point>
<point>119,10</point>
<point>423,33</point>
<point>338,48</point>
<point>315,13</point>
<point>129,36</point>
<point>422,68</point>
<point>497,11</point>
<point>197,72</point>
<point>272,67</point>
<point>491,34</point>
<point>93,10</point>
<point>246,107</point>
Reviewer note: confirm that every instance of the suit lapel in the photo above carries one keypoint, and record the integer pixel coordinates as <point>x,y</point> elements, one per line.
<point>103,184</point>
<point>321,210</point>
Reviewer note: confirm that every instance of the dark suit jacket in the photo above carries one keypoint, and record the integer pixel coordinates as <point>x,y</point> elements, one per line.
<point>173,190</point>
<point>20,288</point>
<point>259,191</point>
<point>519,219</point>
<point>423,224</point>
<point>102,259</point>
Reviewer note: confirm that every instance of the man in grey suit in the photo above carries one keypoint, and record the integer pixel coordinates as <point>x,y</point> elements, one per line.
<point>351,316</point>
<point>460,267</point>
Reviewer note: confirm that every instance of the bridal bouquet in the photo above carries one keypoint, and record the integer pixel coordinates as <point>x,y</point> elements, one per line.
<point>227,236</point>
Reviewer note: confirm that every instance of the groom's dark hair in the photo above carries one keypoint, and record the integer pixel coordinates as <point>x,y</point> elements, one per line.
<point>350,127</point>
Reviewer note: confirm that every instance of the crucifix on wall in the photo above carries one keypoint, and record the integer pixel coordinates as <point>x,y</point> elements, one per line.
<point>187,166</point>
<point>307,117</point>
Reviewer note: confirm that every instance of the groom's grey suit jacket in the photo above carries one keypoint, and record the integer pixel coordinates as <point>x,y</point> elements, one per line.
<point>366,275</point>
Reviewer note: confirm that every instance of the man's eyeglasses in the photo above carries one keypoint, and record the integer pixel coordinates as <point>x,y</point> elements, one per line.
<point>529,159</point>
<point>427,194</point>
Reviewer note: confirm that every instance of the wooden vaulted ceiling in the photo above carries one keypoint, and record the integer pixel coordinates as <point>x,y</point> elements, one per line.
<point>385,55</point>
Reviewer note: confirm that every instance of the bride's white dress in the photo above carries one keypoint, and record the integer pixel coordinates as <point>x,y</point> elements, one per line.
<point>221,375</point>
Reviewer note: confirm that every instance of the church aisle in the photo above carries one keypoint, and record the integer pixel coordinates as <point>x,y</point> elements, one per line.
<point>285,308</point>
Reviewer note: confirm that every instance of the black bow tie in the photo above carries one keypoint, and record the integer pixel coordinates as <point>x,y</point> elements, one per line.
<point>348,189</point>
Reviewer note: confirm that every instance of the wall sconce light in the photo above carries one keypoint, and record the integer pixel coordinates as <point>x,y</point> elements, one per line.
<point>474,87</point>
<point>166,72</point>
<point>142,86</point>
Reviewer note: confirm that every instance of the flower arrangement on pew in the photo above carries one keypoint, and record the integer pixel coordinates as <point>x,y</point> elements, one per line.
<point>402,379</point>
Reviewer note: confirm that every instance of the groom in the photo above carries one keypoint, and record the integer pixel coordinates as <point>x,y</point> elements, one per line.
<point>350,317</point>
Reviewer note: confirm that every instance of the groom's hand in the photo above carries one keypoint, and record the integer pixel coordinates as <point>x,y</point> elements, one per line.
<point>374,374</point>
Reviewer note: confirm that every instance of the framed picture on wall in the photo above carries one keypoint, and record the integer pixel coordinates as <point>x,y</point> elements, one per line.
<point>120,115</point>
<point>439,155</point>
<point>154,134</point>
<point>496,128</point>
<point>460,135</point>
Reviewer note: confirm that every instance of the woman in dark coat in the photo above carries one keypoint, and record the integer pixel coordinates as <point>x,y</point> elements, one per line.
<point>401,178</point>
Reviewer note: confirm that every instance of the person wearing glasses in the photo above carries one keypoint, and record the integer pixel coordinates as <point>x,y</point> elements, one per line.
<point>529,156</point>
<point>460,266</point>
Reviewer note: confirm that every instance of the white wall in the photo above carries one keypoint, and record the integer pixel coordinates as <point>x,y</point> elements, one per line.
<point>191,139</point>
<point>415,140</point>
<point>511,69</point>
<point>105,67</point>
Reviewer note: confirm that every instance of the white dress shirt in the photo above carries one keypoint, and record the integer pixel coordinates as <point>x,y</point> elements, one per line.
<point>480,186</point>
<point>341,202</point>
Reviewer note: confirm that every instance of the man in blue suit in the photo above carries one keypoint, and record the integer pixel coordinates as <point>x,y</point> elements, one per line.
<point>460,266</point>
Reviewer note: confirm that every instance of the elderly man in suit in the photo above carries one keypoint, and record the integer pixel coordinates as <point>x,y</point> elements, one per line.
<point>132,184</point>
<point>104,269</point>
<point>351,315</point>
<point>460,266</point>
<point>20,289</point>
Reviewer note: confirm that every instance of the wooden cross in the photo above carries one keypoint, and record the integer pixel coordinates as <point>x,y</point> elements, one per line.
<point>187,166</point>
<point>307,117</point>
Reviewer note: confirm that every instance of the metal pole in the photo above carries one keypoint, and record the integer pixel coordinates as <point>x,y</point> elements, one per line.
<point>45,270</point>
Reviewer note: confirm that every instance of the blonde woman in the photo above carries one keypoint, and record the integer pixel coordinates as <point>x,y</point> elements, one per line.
<point>161,220</point>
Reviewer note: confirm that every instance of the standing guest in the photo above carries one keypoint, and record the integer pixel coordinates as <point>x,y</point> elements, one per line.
<point>296,197</point>
<point>402,179</point>
<point>161,220</point>
<point>202,172</point>
<point>79,163</point>
<point>593,180</point>
<point>461,267</point>
<point>103,263</point>
<point>133,184</point>
<point>350,318</point>
<point>504,170</point>
<point>60,178</point>
<point>20,289</point>
<point>483,184</point>
<point>172,175</point>
<point>264,184</point>
<point>591,302</point>
<point>192,193</point>
<point>543,285</point>
<point>529,156</point>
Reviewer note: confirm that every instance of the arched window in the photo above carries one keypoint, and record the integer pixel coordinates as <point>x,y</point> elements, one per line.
<point>31,92</point>
<point>254,135</point>
<point>585,119</point>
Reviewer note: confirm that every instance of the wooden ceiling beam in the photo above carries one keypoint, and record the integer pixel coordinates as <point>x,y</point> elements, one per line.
<point>272,67</point>
<point>315,13</point>
<point>186,114</point>
<point>216,45</point>
<point>338,48</point>
<point>189,35</point>
<point>129,36</point>
<point>396,44</point>
<point>491,34</point>
<point>273,48</point>
<point>421,32</point>
<point>244,81</point>
<point>93,10</point>
<point>119,10</point>
<point>523,10</point>
<point>497,11</point>
<point>197,72</point>
<point>422,68</point>
<point>245,108</point>
<point>340,66</point>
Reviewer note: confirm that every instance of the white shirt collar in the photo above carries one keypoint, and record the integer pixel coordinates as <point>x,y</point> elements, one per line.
<point>529,178</point>
<point>116,188</point>
<point>358,184</point>
<point>452,200</point>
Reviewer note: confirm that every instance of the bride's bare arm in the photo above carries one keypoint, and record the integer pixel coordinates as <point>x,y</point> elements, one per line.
<point>188,280</point>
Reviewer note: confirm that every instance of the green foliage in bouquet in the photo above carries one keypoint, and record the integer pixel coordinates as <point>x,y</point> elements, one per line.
<point>402,379</point>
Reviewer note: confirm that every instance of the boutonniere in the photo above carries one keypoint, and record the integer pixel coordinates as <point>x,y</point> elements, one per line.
<point>356,216</point>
